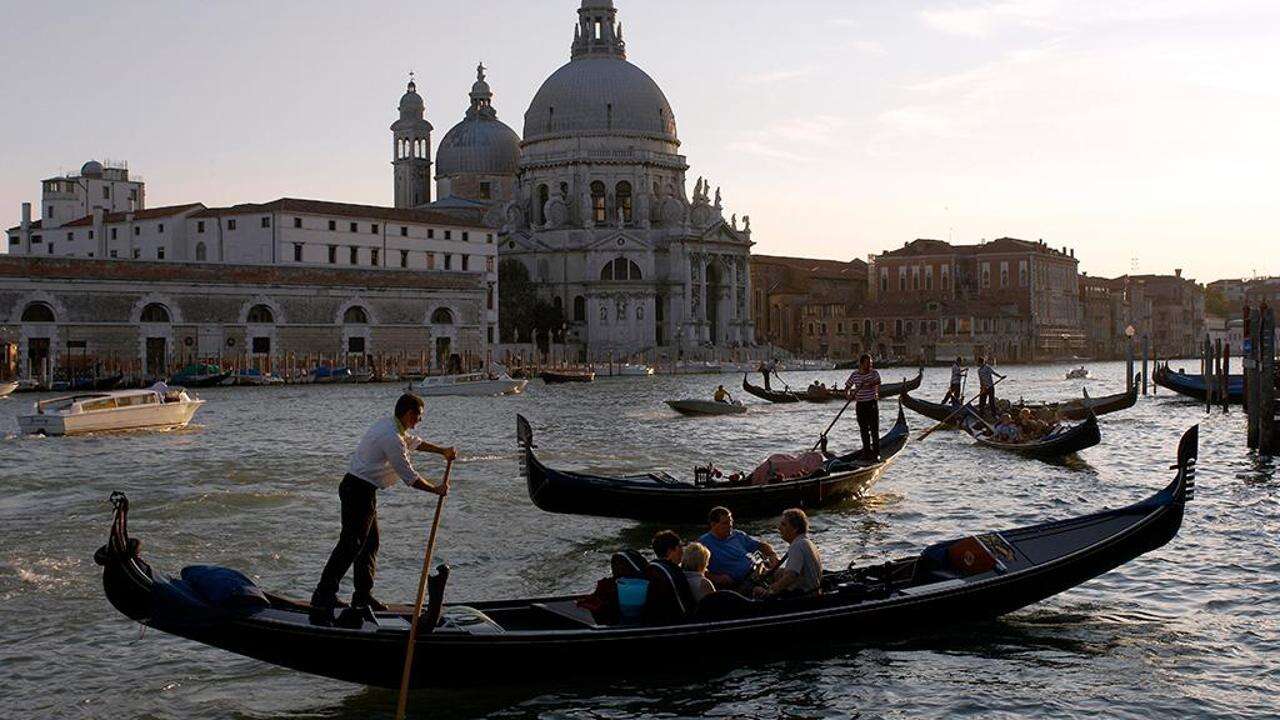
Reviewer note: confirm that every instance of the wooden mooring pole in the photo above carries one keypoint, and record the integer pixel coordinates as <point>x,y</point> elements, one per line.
<point>1146,356</point>
<point>1266,341</point>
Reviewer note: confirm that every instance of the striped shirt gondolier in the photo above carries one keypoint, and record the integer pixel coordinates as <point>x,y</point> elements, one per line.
<point>986,376</point>
<point>866,385</point>
<point>957,372</point>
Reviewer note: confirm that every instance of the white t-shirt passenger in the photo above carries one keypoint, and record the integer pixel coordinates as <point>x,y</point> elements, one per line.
<point>803,560</point>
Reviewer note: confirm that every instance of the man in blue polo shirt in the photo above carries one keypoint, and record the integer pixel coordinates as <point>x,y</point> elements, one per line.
<point>730,565</point>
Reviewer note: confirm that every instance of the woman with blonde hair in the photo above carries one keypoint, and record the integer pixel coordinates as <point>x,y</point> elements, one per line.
<point>694,563</point>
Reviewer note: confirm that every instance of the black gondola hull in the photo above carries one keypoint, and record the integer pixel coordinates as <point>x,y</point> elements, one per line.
<point>1193,386</point>
<point>582,494</point>
<point>1081,437</point>
<point>1072,410</point>
<point>1044,560</point>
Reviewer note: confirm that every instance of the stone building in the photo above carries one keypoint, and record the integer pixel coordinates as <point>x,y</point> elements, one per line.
<point>1014,299</point>
<point>787,290</point>
<point>600,216</point>
<point>1167,310</point>
<point>75,313</point>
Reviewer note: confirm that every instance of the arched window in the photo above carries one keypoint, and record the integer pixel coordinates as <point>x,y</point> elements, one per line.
<point>260,315</point>
<point>202,253</point>
<point>599,212</point>
<point>543,196</point>
<point>38,313</point>
<point>639,312</point>
<point>621,269</point>
<point>442,316</point>
<point>355,315</point>
<point>558,302</point>
<point>623,194</point>
<point>579,309</point>
<point>155,313</point>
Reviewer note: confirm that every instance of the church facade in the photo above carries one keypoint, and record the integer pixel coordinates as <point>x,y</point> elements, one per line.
<point>593,201</point>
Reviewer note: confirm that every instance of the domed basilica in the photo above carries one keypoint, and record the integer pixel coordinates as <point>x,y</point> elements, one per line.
<point>593,201</point>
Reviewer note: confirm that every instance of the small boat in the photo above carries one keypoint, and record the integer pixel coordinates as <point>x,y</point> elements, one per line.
<point>775,396</point>
<point>1060,442</point>
<point>822,394</point>
<point>706,407</point>
<point>326,375</point>
<point>633,369</point>
<point>469,384</point>
<point>112,410</point>
<point>496,642</point>
<point>1078,374</point>
<point>1075,409</point>
<point>1193,386</point>
<point>252,377</point>
<point>659,496</point>
<point>552,377</point>
<point>7,388</point>
<point>199,375</point>
<point>92,382</point>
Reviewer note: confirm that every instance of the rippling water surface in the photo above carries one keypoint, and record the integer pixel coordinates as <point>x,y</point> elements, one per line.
<point>1188,630</point>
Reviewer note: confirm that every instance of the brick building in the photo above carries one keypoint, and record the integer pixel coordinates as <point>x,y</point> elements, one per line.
<point>786,291</point>
<point>1014,299</point>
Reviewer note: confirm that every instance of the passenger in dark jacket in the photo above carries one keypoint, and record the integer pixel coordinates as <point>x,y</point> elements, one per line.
<point>669,599</point>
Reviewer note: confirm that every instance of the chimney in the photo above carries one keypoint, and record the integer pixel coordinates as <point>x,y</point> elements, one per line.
<point>26,216</point>
<point>100,231</point>
<point>1177,272</point>
<point>1073,252</point>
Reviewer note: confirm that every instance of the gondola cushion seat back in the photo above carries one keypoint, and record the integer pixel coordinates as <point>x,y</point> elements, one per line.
<point>632,596</point>
<point>224,588</point>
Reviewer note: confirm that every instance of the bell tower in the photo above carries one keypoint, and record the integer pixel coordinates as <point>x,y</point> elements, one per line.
<point>411,151</point>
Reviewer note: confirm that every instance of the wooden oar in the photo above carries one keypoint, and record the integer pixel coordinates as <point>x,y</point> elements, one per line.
<point>959,410</point>
<point>417,605</point>
<point>833,422</point>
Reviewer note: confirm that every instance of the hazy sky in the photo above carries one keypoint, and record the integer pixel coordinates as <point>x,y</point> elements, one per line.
<point>1144,135</point>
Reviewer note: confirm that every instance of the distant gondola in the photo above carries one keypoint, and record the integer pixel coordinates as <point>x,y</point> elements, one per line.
<point>1193,386</point>
<point>660,497</point>
<point>1061,442</point>
<point>823,395</point>
<point>1073,410</point>
<point>554,377</point>
<point>501,642</point>
<point>887,390</point>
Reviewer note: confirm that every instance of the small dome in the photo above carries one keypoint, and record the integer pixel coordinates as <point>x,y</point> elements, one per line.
<point>599,94</point>
<point>411,101</point>
<point>93,168</point>
<point>478,145</point>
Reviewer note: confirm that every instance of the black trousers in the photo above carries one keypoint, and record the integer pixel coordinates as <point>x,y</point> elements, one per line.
<point>358,542</point>
<point>987,397</point>
<point>868,412</point>
<point>953,395</point>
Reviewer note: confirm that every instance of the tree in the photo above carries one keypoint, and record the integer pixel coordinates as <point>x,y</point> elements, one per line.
<point>515,302</point>
<point>1215,303</point>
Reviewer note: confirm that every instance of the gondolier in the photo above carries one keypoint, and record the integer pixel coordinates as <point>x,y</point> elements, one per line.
<point>987,385</point>
<point>380,458</point>
<point>865,382</point>
<point>954,394</point>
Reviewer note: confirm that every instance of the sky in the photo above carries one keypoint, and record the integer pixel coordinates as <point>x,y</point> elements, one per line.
<point>1141,134</point>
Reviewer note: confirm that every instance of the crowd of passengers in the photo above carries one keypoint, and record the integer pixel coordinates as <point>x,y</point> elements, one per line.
<point>726,560</point>
<point>1025,428</point>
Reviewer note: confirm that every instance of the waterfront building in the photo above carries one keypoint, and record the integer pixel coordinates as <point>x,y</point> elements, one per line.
<point>79,315</point>
<point>788,290</point>
<point>1012,299</point>
<point>601,219</point>
<point>1167,310</point>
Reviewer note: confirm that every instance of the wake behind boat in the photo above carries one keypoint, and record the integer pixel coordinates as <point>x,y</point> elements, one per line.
<point>706,407</point>
<point>108,411</point>
<point>499,642</point>
<point>810,482</point>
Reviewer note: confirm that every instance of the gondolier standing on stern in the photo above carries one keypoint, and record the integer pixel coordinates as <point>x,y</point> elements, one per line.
<point>380,458</point>
<point>865,382</point>
<point>987,385</point>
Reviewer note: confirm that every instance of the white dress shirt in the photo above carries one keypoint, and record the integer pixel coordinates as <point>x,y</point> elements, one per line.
<point>383,455</point>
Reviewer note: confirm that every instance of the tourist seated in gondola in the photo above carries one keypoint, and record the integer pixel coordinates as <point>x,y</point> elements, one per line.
<point>1006,430</point>
<point>800,572</point>
<point>669,598</point>
<point>731,565</point>
<point>696,557</point>
<point>1032,427</point>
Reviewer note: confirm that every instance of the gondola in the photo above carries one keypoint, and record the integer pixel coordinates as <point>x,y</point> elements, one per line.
<point>1061,442</point>
<point>1073,410</point>
<point>658,496</point>
<point>887,390</point>
<point>1193,386</point>
<point>776,396</point>
<point>500,642</point>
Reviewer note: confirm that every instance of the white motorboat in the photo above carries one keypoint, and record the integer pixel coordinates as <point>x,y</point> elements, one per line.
<point>472,384</point>
<point>108,411</point>
<point>633,369</point>
<point>7,388</point>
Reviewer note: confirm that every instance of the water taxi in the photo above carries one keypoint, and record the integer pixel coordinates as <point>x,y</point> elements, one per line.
<point>109,411</point>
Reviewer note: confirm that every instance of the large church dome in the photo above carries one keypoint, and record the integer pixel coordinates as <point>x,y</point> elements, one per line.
<point>598,91</point>
<point>481,143</point>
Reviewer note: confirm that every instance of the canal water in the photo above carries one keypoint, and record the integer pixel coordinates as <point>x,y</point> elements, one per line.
<point>1189,630</point>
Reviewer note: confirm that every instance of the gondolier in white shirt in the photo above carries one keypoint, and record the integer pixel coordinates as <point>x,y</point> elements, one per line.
<point>865,382</point>
<point>987,386</point>
<point>380,459</point>
<point>958,371</point>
